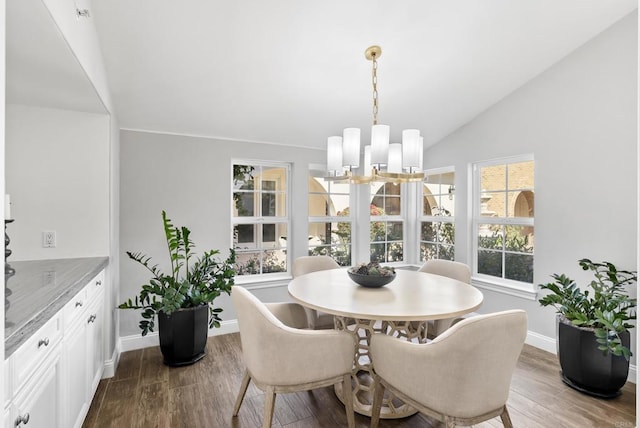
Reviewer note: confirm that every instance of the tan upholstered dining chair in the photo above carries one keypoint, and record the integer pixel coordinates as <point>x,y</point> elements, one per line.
<point>461,377</point>
<point>281,358</point>
<point>307,264</point>
<point>450,269</point>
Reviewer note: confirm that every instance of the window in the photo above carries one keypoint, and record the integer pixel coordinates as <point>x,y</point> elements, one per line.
<point>437,230</point>
<point>330,218</point>
<point>386,223</point>
<point>260,217</point>
<point>503,219</point>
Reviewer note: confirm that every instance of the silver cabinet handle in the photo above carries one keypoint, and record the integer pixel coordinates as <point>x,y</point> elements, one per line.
<point>41,342</point>
<point>22,419</point>
<point>79,303</point>
<point>92,318</point>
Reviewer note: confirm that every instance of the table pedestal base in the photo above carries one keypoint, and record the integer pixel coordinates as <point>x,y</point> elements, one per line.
<point>362,379</point>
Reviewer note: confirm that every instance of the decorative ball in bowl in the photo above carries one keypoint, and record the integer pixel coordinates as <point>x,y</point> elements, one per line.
<point>371,275</point>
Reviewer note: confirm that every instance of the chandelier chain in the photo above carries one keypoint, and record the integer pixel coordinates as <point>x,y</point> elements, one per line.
<point>374,81</point>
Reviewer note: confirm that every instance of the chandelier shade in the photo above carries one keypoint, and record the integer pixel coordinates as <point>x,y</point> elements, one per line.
<point>411,150</point>
<point>380,144</point>
<point>395,158</point>
<point>383,161</point>
<point>367,161</point>
<point>351,148</point>
<point>334,155</point>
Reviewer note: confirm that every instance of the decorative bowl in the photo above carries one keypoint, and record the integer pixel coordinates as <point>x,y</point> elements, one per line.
<point>371,281</point>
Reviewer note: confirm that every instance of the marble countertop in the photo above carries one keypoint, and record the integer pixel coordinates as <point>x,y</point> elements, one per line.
<point>39,289</point>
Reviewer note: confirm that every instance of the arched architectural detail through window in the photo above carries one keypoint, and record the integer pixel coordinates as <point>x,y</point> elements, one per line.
<point>523,206</point>
<point>429,201</point>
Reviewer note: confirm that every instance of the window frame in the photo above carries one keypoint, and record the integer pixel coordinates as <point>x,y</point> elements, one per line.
<point>259,220</point>
<point>402,218</point>
<point>320,172</point>
<point>421,217</point>
<point>507,286</point>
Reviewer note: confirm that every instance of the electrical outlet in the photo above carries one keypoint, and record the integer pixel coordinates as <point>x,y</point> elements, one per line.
<point>49,239</point>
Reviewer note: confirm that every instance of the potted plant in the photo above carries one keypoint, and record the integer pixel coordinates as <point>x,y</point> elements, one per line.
<point>593,329</point>
<point>182,299</point>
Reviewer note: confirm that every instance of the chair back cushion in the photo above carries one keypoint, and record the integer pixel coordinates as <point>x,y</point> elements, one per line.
<point>308,264</point>
<point>479,354</point>
<point>450,269</point>
<point>258,330</point>
<point>276,354</point>
<point>465,372</point>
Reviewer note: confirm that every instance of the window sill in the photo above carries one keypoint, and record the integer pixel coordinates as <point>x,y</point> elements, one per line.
<point>261,281</point>
<point>521,290</point>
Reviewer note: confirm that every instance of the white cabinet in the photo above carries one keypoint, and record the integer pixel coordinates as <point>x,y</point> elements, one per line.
<point>53,376</point>
<point>35,379</point>
<point>74,345</point>
<point>83,356</point>
<point>95,345</point>
<point>37,405</point>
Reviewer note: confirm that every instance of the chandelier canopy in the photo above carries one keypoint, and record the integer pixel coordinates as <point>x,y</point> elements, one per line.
<point>383,161</point>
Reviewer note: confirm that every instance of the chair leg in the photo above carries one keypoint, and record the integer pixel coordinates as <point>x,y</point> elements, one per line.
<point>243,390</point>
<point>378,389</point>
<point>347,394</point>
<point>269,403</point>
<point>506,419</point>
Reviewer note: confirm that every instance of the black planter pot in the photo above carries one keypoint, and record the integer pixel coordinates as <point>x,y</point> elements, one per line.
<point>183,335</point>
<point>585,367</point>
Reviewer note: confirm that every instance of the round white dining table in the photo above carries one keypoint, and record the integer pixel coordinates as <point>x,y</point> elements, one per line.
<point>400,308</point>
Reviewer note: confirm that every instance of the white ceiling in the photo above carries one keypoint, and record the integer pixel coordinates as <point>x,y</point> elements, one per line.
<point>293,72</point>
<point>41,68</point>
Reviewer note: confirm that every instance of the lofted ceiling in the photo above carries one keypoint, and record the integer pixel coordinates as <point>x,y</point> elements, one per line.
<point>293,72</point>
<point>41,69</point>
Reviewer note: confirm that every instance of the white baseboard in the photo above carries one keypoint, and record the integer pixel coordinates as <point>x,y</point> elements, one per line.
<point>111,364</point>
<point>541,342</point>
<point>136,341</point>
<point>226,327</point>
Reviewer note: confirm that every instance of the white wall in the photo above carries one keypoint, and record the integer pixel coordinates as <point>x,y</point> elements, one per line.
<point>579,119</point>
<point>57,173</point>
<point>82,37</point>
<point>114,241</point>
<point>190,178</point>
<point>3,380</point>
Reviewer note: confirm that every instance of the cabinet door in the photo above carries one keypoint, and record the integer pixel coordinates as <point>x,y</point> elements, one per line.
<point>95,339</point>
<point>38,405</point>
<point>75,375</point>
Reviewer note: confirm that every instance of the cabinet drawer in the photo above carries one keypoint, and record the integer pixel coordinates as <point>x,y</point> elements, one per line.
<point>39,400</point>
<point>96,286</point>
<point>34,351</point>
<point>75,307</point>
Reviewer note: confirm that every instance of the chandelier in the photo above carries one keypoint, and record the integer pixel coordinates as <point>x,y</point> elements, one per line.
<point>383,161</point>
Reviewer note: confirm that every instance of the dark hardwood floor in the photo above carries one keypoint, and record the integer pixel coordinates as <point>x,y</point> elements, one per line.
<point>146,393</point>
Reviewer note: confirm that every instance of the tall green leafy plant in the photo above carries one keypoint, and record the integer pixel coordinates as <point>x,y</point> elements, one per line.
<point>193,281</point>
<point>608,310</point>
